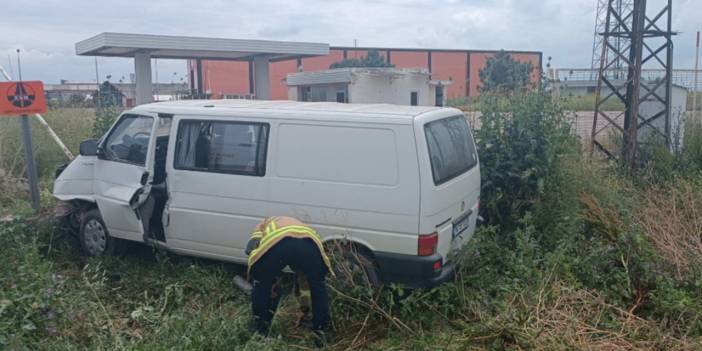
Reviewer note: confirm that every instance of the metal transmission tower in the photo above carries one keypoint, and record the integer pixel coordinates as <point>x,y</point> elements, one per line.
<point>646,116</point>
<point>622,6</point>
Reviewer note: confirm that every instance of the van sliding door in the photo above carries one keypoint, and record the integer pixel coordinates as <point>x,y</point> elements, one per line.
<point>217,186</point>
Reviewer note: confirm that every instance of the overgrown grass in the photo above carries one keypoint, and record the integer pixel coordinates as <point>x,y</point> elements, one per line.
<point>580,256</point>
<point>73,125</point>
<point>690,98</point>
<point>587,103</point>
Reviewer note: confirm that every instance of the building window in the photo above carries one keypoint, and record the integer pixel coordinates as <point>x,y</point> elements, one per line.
<point>413,98</point>
<point>222,147</point>
<point>341,96</point>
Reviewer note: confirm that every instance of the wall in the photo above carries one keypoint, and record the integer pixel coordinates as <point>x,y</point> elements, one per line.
<point>461,66</point>
<point>225,77</point>
<point>318,92</point>
<point>651,106</point>
<point>278,71</point>
<point>451,66</point>
<point>385,89</point>
<point>410,59</point>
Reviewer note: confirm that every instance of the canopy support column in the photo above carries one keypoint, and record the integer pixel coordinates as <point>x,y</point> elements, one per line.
<point>261,77</point>
<point>142,71</point>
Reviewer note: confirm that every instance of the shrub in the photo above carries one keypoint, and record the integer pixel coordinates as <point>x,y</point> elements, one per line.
<point>104,118</point>
<point>519,142</point>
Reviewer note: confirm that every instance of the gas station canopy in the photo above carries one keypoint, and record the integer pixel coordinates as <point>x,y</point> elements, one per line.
<point>143,47</point>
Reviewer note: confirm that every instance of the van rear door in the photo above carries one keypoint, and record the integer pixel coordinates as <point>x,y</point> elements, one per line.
<point>450,178</point>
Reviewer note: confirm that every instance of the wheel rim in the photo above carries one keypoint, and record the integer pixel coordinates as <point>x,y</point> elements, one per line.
<point>353,271</point>
<point>95,237</point>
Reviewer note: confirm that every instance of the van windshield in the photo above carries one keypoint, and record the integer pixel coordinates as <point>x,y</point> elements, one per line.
<point>451,148</point>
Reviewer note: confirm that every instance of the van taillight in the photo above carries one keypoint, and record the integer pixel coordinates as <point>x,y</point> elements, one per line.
<point>427,244</point>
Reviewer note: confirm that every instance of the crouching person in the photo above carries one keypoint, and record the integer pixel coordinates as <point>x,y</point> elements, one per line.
<point>278,242</point>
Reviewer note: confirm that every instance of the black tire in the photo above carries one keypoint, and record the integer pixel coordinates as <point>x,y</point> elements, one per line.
<point>355,267</point>
<point>94,237</point>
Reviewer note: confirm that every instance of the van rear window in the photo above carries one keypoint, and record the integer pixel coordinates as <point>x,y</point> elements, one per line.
<point>451,148</point>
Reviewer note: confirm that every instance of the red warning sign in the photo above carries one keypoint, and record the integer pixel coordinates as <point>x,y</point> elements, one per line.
<point>22,98</point>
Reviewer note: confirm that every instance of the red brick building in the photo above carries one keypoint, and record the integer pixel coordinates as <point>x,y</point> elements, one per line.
<point>460,66</point>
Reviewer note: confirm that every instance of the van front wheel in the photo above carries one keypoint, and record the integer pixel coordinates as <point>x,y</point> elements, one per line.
<point>95,240</point>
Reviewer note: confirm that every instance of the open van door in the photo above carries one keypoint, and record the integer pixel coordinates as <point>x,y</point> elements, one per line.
<point>122,178</point>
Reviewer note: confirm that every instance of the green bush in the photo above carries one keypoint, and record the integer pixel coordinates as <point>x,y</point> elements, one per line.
<point>104,118</point>
<point>519,142</point>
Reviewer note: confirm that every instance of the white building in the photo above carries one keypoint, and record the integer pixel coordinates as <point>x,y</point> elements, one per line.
<point>650,107</point>
<point>368,85</point>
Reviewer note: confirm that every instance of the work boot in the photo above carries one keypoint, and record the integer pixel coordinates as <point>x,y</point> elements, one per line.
<point>259,327</point>
<point>320,339</point>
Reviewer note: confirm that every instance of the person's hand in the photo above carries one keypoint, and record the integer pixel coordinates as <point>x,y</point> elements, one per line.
<point>303,318</point>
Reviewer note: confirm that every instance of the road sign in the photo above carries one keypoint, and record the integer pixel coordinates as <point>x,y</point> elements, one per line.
<point>22,98</point>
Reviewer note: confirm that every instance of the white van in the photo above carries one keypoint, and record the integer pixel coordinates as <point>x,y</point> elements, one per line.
<point>401,183</point>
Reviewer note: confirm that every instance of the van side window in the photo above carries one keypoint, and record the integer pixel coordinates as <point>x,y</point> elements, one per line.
<point>451,148</point>
<point>128,141</point>
<point>222,147</point>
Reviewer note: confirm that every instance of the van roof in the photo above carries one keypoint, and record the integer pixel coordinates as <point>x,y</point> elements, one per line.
<point>224,107</point>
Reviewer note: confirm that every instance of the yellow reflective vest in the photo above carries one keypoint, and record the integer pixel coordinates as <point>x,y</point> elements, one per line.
<point>274,229</point>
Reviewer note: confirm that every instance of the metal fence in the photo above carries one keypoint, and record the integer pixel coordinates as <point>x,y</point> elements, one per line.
<point>682,77</point>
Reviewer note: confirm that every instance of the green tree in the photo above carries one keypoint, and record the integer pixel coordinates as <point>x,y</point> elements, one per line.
<point>503,74</point>
<point>372,59</point>
<point>109,95</point>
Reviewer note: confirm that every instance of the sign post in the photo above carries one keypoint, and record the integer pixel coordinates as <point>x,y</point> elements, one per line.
<point>31,165</point>
<point>23,98</point>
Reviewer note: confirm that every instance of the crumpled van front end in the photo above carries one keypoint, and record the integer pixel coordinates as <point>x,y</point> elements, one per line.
<point>75,181</point>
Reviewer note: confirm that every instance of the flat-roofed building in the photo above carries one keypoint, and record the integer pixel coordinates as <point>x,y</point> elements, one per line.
<point>399,86</point>
<point>461,67</point>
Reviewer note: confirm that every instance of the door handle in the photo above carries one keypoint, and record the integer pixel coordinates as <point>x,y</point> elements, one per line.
<point>144,178</point>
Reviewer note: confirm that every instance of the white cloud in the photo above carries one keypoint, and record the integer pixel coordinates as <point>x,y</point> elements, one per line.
<point>47,30</point>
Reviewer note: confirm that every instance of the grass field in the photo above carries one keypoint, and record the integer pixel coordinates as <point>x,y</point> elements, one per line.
<point>73,125</point>
<point>585,256</point>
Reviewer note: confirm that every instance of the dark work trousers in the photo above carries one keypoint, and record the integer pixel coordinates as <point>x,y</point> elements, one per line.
<point>303,256</point>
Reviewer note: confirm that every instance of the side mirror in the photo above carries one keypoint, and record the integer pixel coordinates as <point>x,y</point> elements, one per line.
<point>89,148</point>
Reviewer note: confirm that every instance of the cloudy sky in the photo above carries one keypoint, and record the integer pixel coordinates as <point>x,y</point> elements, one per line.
<point>45,31</point>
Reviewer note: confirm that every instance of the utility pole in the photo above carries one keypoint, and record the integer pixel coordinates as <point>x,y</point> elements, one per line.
<point>601,25</point>
<point>97,81</point>
<point>649,42</point>
<point>695,88</point>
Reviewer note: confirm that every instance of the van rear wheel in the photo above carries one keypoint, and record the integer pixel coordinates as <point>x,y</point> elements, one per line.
<point>95,240</point>
<point>354,267</point>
